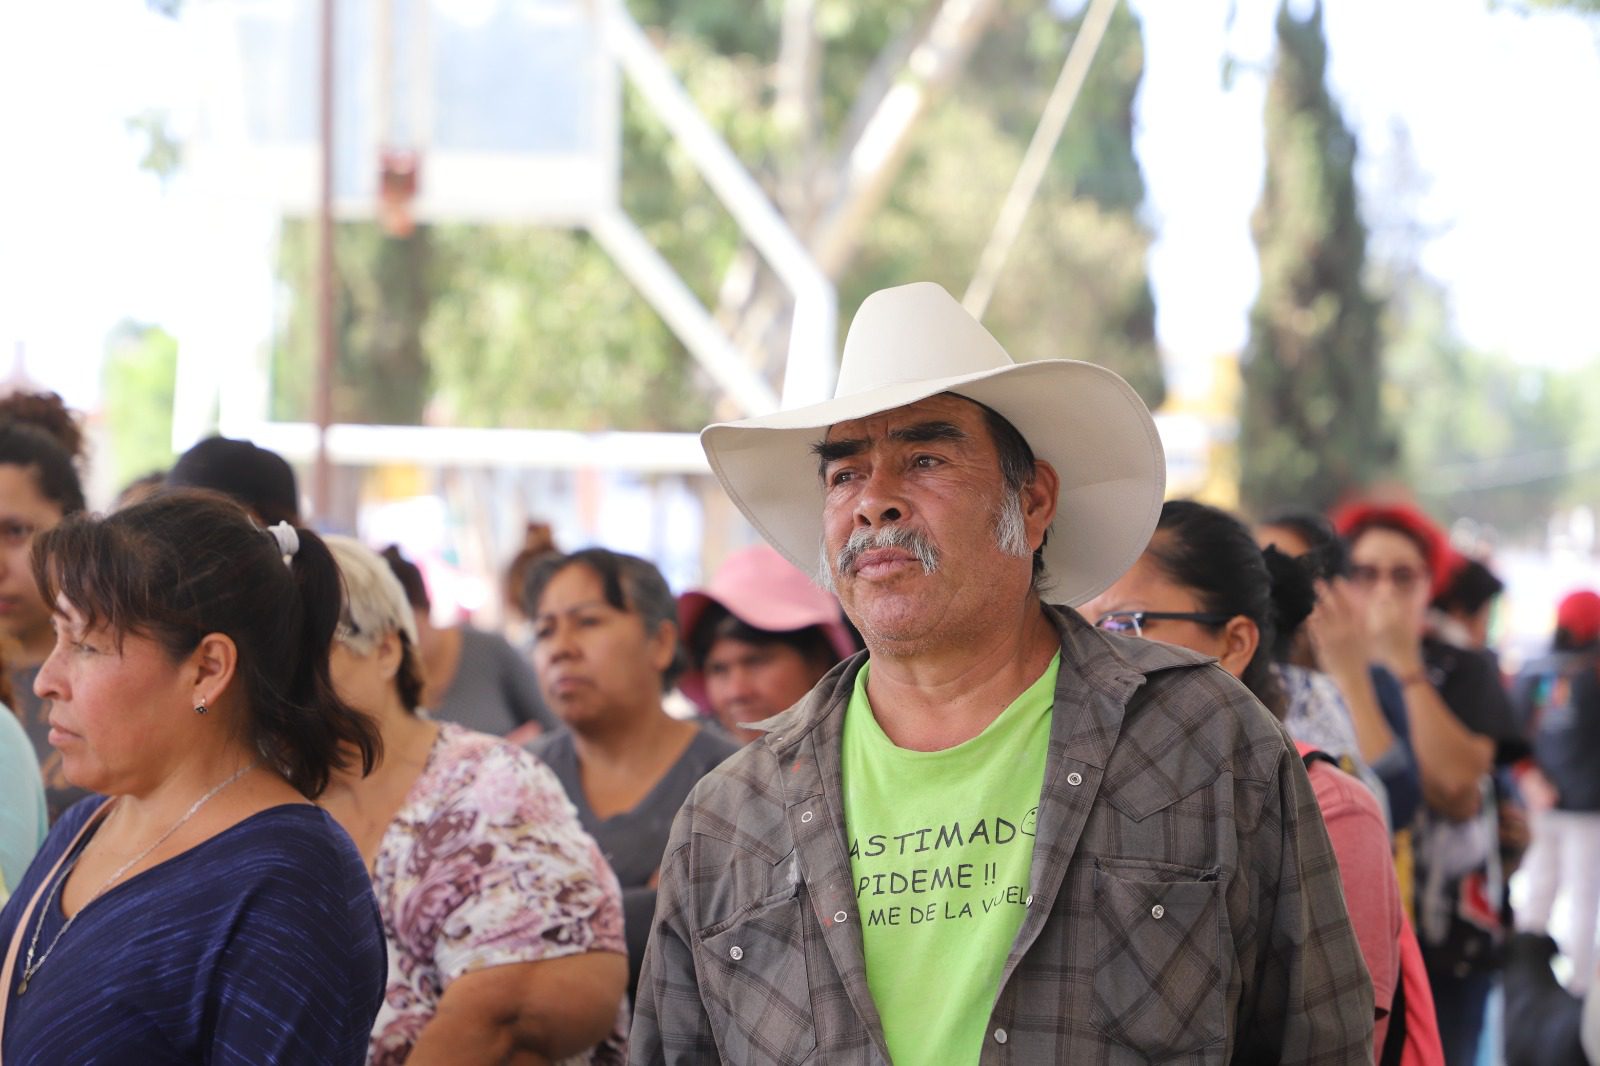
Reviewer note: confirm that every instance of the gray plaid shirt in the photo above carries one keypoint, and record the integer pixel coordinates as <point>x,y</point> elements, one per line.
<point>1185,907</point>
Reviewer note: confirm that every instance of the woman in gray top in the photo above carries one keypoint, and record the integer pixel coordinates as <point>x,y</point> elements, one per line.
<point>475,678</point>
<point>607,649</point>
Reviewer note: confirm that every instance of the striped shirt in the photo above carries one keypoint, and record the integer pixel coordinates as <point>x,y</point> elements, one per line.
<point>259,945</point>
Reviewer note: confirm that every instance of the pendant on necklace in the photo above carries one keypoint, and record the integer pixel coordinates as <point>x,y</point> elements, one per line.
<point>23,987</point>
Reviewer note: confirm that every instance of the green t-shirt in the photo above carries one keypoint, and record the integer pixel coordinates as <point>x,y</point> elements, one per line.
<point>941,843</point>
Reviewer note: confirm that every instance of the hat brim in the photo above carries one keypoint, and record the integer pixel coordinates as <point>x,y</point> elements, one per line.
<point>1084,420</point>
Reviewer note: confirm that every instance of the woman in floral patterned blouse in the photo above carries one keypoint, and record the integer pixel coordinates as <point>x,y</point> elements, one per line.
<point>504,923</point>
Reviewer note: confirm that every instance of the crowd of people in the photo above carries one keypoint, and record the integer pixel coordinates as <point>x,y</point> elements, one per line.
<point>988,753</point>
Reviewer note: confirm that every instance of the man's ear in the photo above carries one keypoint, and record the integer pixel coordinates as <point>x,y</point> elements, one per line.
<point>1240,639</point>
<point>1039,498</point>
<point>214,661</point>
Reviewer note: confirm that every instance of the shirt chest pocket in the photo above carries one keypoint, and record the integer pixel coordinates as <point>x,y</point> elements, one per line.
<point>755,985</point>
<point>1159,978</point>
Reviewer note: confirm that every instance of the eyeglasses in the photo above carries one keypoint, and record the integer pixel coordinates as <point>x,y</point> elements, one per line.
<point>1403,578</point>
<point>1135,621</point>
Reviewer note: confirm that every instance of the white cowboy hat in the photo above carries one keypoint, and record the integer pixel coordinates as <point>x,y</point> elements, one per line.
<point>915,341</point>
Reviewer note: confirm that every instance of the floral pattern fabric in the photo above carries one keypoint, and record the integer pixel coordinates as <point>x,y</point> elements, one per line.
<point>485,865</point>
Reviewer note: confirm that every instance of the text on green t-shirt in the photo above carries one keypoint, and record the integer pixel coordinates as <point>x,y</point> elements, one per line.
<point>941,843</point>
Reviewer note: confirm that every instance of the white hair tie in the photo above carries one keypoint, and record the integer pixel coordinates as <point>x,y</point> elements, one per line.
<point>288,540</point>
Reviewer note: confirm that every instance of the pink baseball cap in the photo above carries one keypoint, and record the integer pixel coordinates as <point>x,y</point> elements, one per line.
<point>761,588</point>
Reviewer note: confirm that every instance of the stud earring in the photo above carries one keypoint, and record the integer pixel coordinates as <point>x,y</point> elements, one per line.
<point>201,708</point>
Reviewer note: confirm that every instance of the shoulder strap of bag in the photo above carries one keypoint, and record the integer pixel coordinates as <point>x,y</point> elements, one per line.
<point>20,931</point>
<point>1311,755</point>
<point>1394,1040</point>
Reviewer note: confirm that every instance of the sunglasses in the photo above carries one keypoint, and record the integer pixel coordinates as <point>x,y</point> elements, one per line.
<point>1403,578</point>
<point>1135,621</point>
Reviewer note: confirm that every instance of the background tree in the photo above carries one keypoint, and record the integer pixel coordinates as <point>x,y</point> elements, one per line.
<point>524,327</point>
<point>140,379</point>
<point>1311,426</point>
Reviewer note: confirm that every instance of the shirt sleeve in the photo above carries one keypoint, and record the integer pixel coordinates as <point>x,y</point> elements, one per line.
<point>301,976</point>
<point>533,885</point>
<point>1397,767</point>
<point>670,1025</point>
<point>1474,693</point>
<point>1360,842</point>
<point>1310,997</point>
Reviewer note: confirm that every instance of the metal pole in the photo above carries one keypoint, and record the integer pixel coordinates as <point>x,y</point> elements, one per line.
<point>327,340</point>
<point>1045,138</point>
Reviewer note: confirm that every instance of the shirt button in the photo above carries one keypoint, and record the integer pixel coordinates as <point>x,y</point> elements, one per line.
<point>1000,1036</point>
<point>1028,902</point>
<point>1158,912</point>
<point>1074,779</point>
<point>806,817</point>
<point>736,953</point>
<point>841,916</point>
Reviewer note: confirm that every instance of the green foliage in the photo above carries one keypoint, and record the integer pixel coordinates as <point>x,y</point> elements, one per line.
<point>1075,286</point>
<point>384,288</point>
<point>1523,444</point>
<point>1311,427</point>
<point>140,377</point>
<point>521,327</point>
<point>163,153</point>
<point>509,349</point>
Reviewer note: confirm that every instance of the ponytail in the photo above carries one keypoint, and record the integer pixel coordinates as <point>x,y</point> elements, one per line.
<point>1294,597</point>
<point>314,735</point>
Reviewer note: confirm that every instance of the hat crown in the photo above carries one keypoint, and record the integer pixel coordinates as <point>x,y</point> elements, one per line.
<point>914,332</point>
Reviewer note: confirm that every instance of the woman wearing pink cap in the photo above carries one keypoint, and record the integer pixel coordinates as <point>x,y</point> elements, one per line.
<point>759,637</point>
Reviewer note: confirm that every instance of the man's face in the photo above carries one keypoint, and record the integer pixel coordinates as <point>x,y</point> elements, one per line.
<point>920,489</point>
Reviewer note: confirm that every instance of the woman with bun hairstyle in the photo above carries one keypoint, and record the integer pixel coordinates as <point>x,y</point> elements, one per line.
<point>1203,583</point>
<point>201,909</point>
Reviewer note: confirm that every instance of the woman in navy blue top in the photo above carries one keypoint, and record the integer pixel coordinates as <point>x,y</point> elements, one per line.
<point>205,912</point>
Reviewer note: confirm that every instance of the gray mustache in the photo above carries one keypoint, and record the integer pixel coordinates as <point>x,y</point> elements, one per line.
<point>902,537</point>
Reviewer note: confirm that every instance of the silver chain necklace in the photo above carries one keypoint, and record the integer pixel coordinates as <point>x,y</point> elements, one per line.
<point>30,967</point>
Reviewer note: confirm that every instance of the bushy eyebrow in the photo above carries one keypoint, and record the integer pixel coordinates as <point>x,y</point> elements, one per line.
<point>831,451</point>
<point>923,432</point>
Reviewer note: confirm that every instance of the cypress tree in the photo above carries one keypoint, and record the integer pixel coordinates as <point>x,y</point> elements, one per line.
<point>1311,427</point>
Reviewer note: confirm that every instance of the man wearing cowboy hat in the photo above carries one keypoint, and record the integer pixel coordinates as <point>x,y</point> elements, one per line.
<point>999,835</point>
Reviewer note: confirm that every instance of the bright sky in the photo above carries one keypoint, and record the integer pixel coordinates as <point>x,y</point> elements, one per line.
<point>1500,111</point>
<point>1499,107</point>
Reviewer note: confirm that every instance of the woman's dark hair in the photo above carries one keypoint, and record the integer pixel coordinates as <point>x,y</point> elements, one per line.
<point>190,563</point>
<point>26,445</point>
<point>410,579</point>
<point>1327,555</point>
<point>48,412</point>
<point>628,583</point>
<point>408,679</point>
<point>1470,588</point>
<point>260,479</point>
<point>1212,553</point>
<point>718,623</point>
